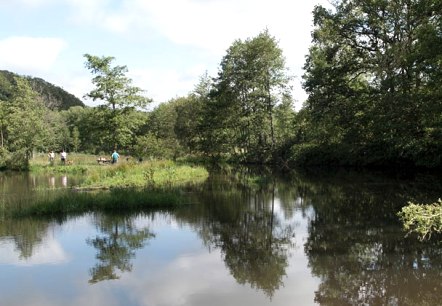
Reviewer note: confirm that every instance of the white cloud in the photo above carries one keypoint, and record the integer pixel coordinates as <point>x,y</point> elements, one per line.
<point>101,13</point>
<point>35,54</point>
<point>209,26</point>
<point>164,84</point>
<point>35,3</point>
<point>204,27</point>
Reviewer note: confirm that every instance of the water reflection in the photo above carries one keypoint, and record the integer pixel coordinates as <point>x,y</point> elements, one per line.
<point>239,219</point>
<point>352,242</point>
<point>116,245</point>
<point>25,234</point>
<point>20,189</point>
<point>64,181</point>
<point>52,181</point>
<point>356,246</point>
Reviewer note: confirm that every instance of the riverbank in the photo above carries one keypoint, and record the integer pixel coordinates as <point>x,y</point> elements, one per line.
<point>127,173</point>
<point>125,186</point>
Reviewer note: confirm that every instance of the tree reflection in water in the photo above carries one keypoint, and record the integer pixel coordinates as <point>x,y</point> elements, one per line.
<point>237,216</point>
<point>357,248</point>
<point>116,246</point>
<point>27,234</point>
<point>355,244</point>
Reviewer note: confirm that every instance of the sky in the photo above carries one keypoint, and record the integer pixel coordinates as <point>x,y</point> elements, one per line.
<point>167,45</point>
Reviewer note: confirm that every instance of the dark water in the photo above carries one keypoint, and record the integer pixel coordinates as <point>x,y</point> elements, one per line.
<point>251,238</point>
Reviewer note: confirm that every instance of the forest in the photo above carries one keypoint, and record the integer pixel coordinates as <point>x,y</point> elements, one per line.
<point>373,74</point>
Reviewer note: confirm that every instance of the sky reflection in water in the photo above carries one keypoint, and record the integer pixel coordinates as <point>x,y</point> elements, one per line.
<point>311,240</point>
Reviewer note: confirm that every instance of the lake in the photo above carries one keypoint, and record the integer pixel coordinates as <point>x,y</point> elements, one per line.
<point>250,237</point>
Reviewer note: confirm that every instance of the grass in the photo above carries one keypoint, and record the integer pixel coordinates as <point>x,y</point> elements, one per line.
<point>125,174</point>
<point>126,186</point>
<point>77,163</point>
<point>151,174</point>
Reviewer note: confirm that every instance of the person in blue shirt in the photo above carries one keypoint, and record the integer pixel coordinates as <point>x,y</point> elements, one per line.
<point>115,157</point>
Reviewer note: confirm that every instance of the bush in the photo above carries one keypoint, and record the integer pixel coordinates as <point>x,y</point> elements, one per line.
<point>320,155</point>
<point>423,220</point>
<point>13,161</point>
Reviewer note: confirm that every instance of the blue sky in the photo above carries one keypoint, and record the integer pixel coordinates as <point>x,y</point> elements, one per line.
<point>167,45</point>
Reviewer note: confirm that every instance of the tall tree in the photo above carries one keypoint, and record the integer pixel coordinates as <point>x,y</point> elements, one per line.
<point>22,124</point>
<point>252,80</point>
<point>120,97</point>
<point>370,75</point>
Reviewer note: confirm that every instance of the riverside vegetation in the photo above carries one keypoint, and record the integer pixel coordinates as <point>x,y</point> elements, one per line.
<point>123,187</point>
<point>372,75</point>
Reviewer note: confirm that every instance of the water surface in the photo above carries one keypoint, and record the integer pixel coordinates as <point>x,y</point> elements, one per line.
<point>249,238</point>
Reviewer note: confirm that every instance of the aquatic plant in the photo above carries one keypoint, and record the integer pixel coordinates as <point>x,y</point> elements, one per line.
<point>423,219</point>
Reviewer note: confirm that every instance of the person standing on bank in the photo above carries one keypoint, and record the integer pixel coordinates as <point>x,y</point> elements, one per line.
<point>63,156</point>
<point>51,157</point>
<point>115,157</point>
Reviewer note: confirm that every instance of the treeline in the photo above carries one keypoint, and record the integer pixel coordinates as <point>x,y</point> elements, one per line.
<point>373,76</point>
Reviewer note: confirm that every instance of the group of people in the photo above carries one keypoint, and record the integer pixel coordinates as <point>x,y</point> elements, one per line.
<point>63,157</point>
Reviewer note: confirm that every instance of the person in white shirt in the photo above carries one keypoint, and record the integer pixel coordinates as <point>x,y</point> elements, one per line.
<point>64,156</point>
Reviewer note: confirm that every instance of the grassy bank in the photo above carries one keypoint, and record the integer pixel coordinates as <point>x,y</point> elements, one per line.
<point>151,174</point>
<point>77,163</point>
<point>124,174</point>
<point>125,186</point>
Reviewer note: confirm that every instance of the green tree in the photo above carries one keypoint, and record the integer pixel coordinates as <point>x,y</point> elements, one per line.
<point>75,139</point>
<point>22,124</point>
<point>159,139</point>
<point>190,125</point>
<point>57,134</point>
<point>251,82</point>
<point>120,97</point>
<point>370,75</point>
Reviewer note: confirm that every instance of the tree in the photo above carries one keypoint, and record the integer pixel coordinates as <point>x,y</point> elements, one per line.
<point>370,77</point>
<point>190,126</point>
<point>75,139</point>
<point>115,89</point>
<point>252,80</point>
<point>159,139</point>
<point>22,124</point>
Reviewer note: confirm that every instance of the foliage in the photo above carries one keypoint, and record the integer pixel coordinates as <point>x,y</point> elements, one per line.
<point>370,76</point>
<point>156,174</point>
<point>120,98</point>
<point>423,220</point>
<point>240,114</point>
<point>373,76</point>
<point>22,125</point>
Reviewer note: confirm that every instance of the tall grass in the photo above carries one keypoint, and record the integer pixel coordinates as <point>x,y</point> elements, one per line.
<point>129,185</point>
<point>152,174</point>
<point>76,163</point>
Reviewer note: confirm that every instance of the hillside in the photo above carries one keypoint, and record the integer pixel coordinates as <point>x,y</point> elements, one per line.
<point>54,97</point>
